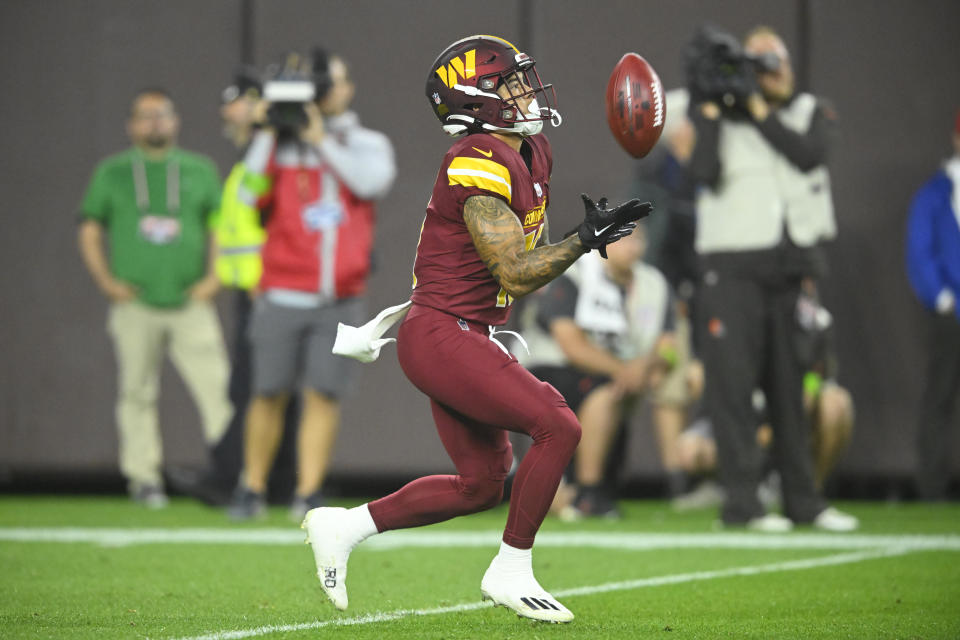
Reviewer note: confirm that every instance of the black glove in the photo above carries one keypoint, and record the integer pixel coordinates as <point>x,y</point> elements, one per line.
<point>601,226</point>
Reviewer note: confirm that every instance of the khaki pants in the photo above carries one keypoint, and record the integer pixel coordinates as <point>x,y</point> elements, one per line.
<point>141,335</point>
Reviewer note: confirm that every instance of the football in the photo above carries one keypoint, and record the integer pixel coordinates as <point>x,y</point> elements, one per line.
<point>636,109</point>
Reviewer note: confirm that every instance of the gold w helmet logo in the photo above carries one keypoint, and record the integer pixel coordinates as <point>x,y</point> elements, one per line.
<point>458,67</point>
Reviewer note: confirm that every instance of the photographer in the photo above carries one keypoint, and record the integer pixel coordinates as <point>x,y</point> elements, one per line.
<point>316,173</point>
<point>764,207</point>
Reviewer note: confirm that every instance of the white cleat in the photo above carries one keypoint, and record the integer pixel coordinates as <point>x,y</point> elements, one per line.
<point>831,519</point>
<point>770,523</point>
<point>330,551</point>
<point>523,595</point>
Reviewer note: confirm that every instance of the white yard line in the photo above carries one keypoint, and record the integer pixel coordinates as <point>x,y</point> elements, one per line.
<point>388,616</point>
<point>862,546</point>
<point>119,537</point>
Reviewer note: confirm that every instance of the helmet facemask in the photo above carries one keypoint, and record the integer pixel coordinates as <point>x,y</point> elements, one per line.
<point>521,81</point>
<point>477,85</point>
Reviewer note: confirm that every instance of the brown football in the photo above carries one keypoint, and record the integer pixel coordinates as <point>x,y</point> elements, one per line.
<point>635,105</point>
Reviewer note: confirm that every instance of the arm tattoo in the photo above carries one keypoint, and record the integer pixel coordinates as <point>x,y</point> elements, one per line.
<point>498,236</point>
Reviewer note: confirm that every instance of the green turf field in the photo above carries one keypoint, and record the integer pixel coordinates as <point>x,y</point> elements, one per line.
<point>105,568</point>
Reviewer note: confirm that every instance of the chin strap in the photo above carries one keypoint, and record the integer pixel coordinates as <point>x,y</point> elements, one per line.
<point>456,130</point>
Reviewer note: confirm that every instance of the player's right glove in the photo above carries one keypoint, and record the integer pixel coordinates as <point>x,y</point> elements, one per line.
<point>601,226</point>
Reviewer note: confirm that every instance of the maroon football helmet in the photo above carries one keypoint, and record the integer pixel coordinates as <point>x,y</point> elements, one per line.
<point>463,82</point>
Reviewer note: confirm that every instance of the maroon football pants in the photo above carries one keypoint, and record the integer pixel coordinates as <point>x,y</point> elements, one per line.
<point>478,393</point>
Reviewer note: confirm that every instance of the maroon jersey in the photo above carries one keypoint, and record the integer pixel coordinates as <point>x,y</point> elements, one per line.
<point>448,274</point>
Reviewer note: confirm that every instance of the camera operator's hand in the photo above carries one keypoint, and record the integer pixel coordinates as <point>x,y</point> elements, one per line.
<point>601,226</point>
<point>258,114</point>
<point>710,110</point>
<point>758,107</point>
<point>314,132</point>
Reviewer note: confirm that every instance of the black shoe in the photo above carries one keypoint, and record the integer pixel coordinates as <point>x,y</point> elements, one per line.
<point>247,504</point>
<point>197,484</point>
<point>677,484</point>
<point>300,505</point>
<point>595,502</point>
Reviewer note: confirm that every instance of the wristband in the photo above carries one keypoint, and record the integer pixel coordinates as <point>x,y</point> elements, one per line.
<point>668,354</point>
<point>812,383</point>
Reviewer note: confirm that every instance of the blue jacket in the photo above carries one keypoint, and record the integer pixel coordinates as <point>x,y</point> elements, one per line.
<point>933,242</point>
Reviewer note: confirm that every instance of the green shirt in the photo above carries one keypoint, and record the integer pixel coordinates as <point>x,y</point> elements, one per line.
<point>159,247</point>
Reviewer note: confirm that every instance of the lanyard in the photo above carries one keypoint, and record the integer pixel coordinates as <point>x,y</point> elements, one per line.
<point>143,193</point>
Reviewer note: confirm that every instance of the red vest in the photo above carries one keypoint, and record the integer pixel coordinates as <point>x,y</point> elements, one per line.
<point>319,235</point>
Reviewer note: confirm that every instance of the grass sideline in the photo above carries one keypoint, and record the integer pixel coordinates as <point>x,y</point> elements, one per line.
<point>267,589</point>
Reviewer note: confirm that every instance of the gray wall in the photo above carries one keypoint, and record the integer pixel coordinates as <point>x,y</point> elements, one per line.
<point>69,70</point>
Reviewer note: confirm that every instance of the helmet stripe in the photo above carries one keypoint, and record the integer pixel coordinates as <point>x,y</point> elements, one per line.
<point>506,42</point>
<point>481,173</point>
<point>497,38</point>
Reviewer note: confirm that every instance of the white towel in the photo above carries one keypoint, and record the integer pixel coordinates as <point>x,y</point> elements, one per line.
<point>364,343</point>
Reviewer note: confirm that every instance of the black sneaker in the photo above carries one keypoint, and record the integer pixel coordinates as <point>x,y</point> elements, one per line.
<point>197,484</point>
<point>594,502</point>
<point>300,505</point>
<point>247,504</point>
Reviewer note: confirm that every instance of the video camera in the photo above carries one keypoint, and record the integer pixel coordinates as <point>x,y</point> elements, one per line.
<point>718,68</point>
<point>290,87</point>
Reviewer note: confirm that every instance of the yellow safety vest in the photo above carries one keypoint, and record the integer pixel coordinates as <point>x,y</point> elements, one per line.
<point>240,234</point>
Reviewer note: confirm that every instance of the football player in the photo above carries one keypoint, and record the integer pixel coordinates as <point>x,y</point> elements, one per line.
<point>482,244</point>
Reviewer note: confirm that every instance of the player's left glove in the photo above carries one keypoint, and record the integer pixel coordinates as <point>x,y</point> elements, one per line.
<point>601,226</point>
